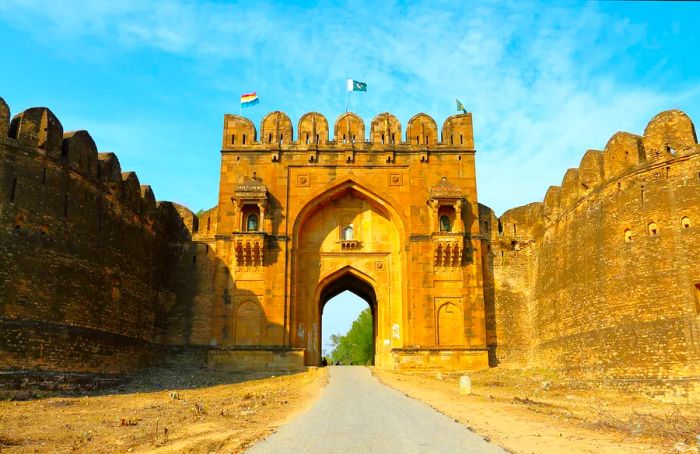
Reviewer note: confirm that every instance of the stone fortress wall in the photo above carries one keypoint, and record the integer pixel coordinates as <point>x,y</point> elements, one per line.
<point>85,280</point>
<point>602,279</point>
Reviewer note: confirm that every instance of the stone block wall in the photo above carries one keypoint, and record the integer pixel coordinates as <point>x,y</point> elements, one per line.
<point>84,281</point>
<point>601,279</point>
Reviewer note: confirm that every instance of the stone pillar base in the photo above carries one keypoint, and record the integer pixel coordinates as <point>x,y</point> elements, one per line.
<point>238,359</point>
<point>440,358</point>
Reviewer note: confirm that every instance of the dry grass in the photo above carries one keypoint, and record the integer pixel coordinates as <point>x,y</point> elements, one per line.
<point>675,425</point>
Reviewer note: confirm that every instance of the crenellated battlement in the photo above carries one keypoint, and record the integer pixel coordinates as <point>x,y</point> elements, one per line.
<point>600,280</point>
<point>39,132</point>
<point>88,251</point>
<point>276,131</point>
<point>668,137</point>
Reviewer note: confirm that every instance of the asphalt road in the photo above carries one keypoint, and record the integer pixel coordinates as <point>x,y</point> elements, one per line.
<point>357,414</point>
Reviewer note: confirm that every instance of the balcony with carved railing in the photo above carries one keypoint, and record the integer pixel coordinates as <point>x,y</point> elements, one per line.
<point>350,245</point>
<point>249,248</point>
<point>448,249</point>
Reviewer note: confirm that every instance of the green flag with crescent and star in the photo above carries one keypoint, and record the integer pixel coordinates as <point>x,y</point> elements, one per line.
<point>354,85</point>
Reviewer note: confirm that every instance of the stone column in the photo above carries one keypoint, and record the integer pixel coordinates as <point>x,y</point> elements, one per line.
<point>459,225</point>
<point>261,225</point>
<point>432,214</point>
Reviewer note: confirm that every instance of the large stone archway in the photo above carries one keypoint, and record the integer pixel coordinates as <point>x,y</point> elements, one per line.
<point>352,280</point>
<point>326,261</point>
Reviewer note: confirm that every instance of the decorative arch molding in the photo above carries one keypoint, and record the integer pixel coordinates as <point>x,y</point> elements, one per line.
<point>330,192</point>
<point>248,323</point>
<point>449,326</point>
<point>366,289</point>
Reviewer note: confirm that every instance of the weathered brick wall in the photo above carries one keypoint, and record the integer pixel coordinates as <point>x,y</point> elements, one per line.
<point>84,277</point>
<point>196,268</point>
<point>607,284</point>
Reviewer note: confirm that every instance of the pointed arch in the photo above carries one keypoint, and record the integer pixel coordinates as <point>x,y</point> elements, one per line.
<point>326,194</point>
<point>449,325</point>
<point>346,278</point>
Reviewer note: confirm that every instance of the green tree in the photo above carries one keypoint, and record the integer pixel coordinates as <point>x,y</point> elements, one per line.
<point>357,346</point>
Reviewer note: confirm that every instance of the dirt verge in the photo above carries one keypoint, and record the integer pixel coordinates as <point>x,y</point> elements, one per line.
<point>537,412</point>
<point>194,417</point>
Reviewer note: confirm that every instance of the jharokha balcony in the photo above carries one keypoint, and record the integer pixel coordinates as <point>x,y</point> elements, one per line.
<point>448,248</point>
<point>249,248</point>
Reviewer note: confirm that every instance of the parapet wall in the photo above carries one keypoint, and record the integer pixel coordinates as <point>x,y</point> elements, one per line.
<point>84,283</point>
<point>348,131</point>
<point>602,278</point>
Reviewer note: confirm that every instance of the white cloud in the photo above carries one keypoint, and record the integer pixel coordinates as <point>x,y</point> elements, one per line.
<point>543,82</point>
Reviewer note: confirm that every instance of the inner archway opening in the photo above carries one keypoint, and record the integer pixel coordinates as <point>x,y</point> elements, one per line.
<point>344,326</point>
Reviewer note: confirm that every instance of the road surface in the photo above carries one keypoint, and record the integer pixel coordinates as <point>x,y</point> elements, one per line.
<point>357,414</point>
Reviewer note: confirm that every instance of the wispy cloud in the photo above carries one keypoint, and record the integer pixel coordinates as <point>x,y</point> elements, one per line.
<point>544,82</point>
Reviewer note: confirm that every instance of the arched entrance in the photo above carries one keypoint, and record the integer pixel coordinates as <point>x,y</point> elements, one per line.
<point>347,238</point>
<point>348,279</point>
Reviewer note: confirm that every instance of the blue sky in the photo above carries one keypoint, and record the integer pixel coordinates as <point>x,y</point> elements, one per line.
<point>545,81</point>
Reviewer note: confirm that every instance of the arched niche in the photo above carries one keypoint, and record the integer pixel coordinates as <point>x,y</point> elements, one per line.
<point>349,128</point>
<point>421,130</point>
<point>276,128</point>
<point>385,129</point>
<point>248,324</point>
<point>313,129</point>
<point>449,325</point>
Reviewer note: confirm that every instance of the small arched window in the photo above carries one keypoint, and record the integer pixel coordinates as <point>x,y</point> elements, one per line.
<point>685,222</point>
<point>243,139</point>
<point>348,233</point>
<point>445,224</point>
<point>653,229</point>
<point>628,236</point>
<point>252,225</point>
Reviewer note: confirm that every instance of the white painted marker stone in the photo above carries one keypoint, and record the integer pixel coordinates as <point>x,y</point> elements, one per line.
<point>465,385</point>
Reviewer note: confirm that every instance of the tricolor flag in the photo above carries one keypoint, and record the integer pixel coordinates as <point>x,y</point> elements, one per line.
<point>354,85</point>
<point>249,99</point>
